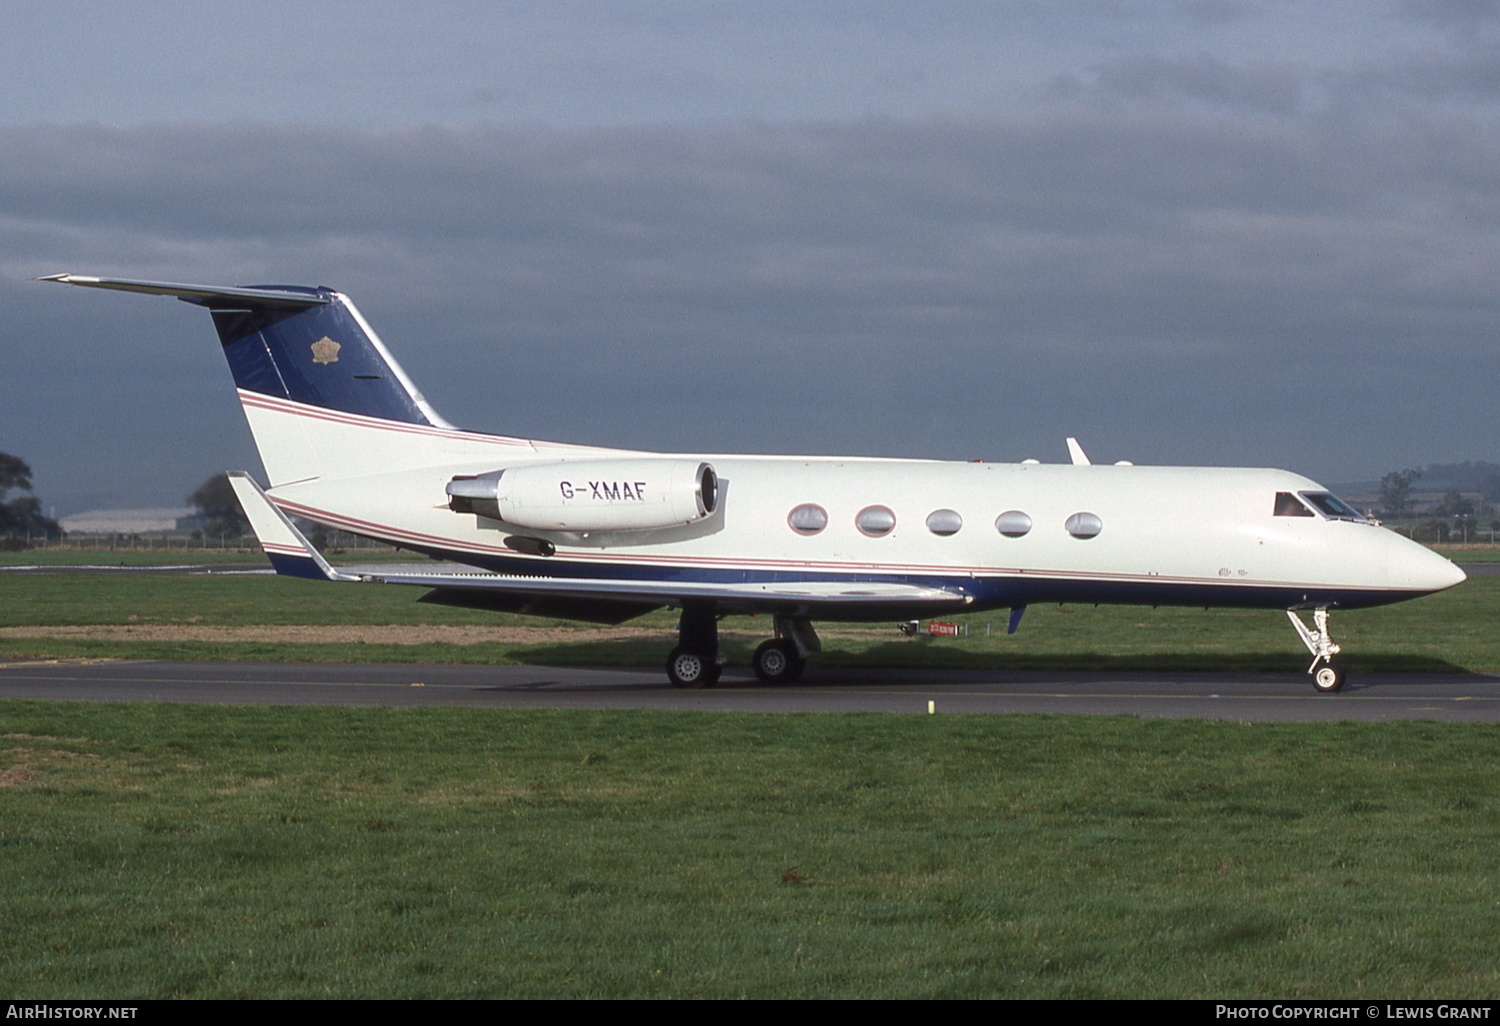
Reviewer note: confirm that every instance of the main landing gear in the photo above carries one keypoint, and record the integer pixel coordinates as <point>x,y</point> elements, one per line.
<point>697,661</point>
<point>1326,677</point>
<point>782,659</point>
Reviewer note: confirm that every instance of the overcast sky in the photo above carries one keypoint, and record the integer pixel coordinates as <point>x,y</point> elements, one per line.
<point>1186,232</point>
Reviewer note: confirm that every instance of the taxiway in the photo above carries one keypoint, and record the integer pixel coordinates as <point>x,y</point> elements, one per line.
<point>1233,696</point>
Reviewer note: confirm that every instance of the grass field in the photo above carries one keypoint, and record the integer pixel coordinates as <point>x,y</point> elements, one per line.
<point>189,851</point>
<point>156,851</point>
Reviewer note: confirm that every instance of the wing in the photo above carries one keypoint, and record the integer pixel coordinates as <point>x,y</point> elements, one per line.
<point>598,599</point>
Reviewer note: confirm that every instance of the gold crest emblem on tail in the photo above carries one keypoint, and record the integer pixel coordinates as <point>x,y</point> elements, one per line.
<point>325,350</point>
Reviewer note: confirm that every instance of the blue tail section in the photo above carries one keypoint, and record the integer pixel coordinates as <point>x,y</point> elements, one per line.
<point>321,354</point>
<point>308,345</point>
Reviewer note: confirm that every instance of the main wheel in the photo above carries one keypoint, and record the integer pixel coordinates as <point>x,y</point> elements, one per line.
<point>1327,679</point>
<point>776,661</point>
<point>687,669</point>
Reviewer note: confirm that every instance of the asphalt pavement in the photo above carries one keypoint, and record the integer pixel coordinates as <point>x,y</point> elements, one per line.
<point>1235,696</point>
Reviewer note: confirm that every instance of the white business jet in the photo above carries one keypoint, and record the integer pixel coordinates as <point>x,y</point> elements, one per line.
<point>604,535</point>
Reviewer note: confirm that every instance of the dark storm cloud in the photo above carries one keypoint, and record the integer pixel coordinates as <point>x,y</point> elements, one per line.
<point>1232,281</point>
<point>1466,78</point>
<point>1263,88</point>
<point>1456,15</point>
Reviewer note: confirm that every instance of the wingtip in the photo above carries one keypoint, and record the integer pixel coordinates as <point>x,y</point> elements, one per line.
<point>72,279</point>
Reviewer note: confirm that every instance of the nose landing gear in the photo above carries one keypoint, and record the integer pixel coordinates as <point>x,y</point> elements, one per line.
<point>1326,677</point>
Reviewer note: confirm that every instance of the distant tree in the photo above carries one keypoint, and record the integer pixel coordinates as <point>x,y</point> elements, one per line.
<point>22,516</point>
<point>14,473</point>
<point>1395,491</point>
<point>1490,490</point>
<point>1454,505</point>
<point>216,501</point>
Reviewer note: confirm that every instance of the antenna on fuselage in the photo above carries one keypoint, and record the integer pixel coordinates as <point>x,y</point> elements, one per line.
<point>1080,459</point>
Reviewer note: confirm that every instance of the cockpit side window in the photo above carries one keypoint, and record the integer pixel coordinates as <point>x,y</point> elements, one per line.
<point>1288,505</point>
<point>1333,507</point>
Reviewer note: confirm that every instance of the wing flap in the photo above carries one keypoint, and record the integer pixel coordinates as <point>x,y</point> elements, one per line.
<point>767,593</point>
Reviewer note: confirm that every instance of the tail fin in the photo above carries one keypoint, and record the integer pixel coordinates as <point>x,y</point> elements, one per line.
<point>306,364</point>
<point>308,345</point>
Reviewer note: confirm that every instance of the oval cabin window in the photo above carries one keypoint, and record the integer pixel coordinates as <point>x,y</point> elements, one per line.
<point>875,521</point>
<point>1013,523</point>
<point>1084,525</point>
<point>809,518</point>
<point>944,522</point>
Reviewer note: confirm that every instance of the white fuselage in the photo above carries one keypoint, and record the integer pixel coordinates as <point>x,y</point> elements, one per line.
<point>1163,535</point>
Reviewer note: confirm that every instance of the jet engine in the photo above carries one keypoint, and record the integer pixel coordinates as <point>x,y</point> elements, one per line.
<point>603,495</point>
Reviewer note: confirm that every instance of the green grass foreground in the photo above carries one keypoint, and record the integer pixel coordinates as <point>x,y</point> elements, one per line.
<point>184,851</point>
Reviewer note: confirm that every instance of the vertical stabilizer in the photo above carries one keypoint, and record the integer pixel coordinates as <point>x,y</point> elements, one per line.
<point>319,354</point>
<point>315,381</point>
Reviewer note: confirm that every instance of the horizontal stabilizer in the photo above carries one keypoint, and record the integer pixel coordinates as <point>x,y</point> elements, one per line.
<point>206,295</point>
<point>300,343</point>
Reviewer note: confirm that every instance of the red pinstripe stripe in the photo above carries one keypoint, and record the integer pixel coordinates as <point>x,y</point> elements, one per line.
<point>730,563</point>
<point>260,401</point>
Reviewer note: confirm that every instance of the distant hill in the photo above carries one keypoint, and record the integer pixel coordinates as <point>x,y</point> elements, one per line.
<point>1469,476</point>
<point>1437,478</point>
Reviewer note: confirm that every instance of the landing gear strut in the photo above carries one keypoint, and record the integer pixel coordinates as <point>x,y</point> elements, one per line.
<point>1326,677</point>
<point>696,662</point>
<point>782,659</point>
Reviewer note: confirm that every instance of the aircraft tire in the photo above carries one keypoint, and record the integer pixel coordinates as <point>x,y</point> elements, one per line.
<point>687,669</point>
<point>777,662</point>
<point>1327,679</point>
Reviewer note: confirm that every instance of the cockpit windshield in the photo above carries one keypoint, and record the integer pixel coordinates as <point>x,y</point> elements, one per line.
<point>1303,504</point>
<point>1288,505</point>
<point>1333,507</point>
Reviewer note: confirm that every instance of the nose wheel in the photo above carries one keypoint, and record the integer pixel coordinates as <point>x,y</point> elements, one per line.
<point>1326,677</point>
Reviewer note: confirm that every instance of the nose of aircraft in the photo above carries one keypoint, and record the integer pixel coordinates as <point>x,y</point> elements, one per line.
<point>1415,568</point>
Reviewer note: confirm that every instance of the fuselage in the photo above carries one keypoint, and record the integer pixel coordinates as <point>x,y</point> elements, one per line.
<point>1005,534</point>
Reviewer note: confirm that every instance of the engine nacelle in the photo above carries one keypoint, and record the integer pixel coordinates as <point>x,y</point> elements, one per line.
<point>603,495</point>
